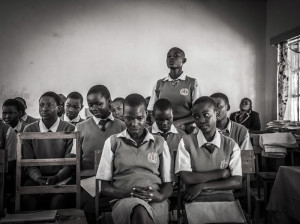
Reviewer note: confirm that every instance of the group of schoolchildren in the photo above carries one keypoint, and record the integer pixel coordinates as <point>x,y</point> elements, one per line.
<point>144,146</point>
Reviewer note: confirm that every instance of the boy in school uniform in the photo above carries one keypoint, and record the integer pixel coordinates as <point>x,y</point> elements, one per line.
<point>93,133</point>
<point>47,148</point>
<point>26,119</point>
<point>135,169</point>
<point>73,106</point>
<point>117,108</point>
<point>180,89</point>
<point>209,163</point>
<point>11,113</point>
<point>230,128</point>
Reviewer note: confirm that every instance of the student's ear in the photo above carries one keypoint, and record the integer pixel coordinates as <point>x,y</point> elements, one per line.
<point>184,60</point>
<point>81,106</point>
<point>109,103</point>
<point>228,107</point>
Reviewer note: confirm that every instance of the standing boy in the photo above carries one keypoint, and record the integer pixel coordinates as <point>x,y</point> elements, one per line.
<point>93,133</point>
<point>135,169</point>
<point>178,88</point>
<point>209,164</point>
<point>230,128</point>
<point>117,108</point>
<point>73,106</point>
<point>26,119</point>
<point>47,148</point>
<point>12,113</point>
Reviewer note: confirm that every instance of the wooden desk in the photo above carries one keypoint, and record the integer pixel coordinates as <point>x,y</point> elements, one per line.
<point>76,216</point>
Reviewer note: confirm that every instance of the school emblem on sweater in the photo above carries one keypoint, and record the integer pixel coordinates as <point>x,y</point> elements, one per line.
<point>224,164</point>
<point>184,92</point>
<point>152,157</point>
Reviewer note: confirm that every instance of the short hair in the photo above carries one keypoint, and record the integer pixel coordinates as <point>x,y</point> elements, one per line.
<point>135,100</point>
<point>206,99</point>
<point>76,95</point>
<point>222,96</point>
<point>100,89</point>
<point>178,49</point>
<point>249,101</point>
<point>118,99</point>
<point>162,105</point>
<point>15,103</point>
<point>53,95</point>
<point>21,99</point>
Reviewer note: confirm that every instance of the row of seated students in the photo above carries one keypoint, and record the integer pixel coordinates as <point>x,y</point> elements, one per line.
<point>137,166</point>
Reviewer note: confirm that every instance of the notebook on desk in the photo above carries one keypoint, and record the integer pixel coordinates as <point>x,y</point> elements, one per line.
<point>30,217</point>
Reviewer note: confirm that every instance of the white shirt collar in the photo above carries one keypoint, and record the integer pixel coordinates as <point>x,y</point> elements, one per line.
<point>155,129</point>
<point>227,128</point>
<point>76,119</point>
<point>18,127</point>
<point>53,128</point>
<point>181,77</point>
<point>24,118</point>
<point>216,141</point>
<point>97,120</point>
<point>125,134</point>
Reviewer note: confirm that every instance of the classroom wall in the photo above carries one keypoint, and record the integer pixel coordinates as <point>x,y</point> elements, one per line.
<point>282,16</point>
<point>68,45</point>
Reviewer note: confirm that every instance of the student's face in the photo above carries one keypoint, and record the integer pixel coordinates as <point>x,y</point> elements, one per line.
<point>48,108</point>
<point>72,108</point>
<point>222,107</point>
<point>117,109</point>
<point>10,115</point>
<point>163,119</point>
<point>245,105</point>
<point>135,119</point>
<point>98,105</point>
<point>175,59</point>
<point>205,118</point>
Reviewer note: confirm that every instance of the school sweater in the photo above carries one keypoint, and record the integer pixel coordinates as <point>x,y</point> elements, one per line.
<point>180,95</point>
<point>47,148</point>
<point>92,138</point>
<point>3,131</point>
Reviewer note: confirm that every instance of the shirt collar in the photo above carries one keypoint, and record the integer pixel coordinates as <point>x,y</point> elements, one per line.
<point>216,141</point>
<point>76,119</point>
<point>53,128</point>
<point>24,118</point>
<point>227,128</point>
<point>97,120</point>
<point>155,129</point>
<point>181,77</point>
<point>18,127</point>
<point>125,134</point>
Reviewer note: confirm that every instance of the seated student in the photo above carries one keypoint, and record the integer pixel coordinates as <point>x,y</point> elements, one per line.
<point>11,113</point>
<point>8,142</point>
<point>61,107</point>
<point>135,169</point>
<point>117,108</point>
<point>73,106</point>
<point>180,89</point>
<point>93,133</point>
<point>246,116</point>
<point>47,148</point>
<point>210,165</point>
<point>230,128</point>
<point>163,125</point>
<point>26,119</point>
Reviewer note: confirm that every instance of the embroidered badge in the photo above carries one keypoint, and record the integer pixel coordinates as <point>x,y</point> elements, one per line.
<point>152,157</point>
<point>184,92</point>
<point>224,164</point>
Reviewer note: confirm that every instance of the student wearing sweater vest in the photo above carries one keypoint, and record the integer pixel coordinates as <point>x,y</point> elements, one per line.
<point>230,128</point>
<point>93,133</point>
<point>209,164</point>
<point>11,113</point>
<point>47,148</point>
<point>73,106</point>
<point>180,89</point>
<point>135,169</point>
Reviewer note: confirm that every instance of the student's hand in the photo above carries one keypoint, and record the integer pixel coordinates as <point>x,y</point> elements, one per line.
<point>52,180</point>
<point>225,173</point>
<point>147,194</point>
<point>192,192</point>
<point>40,181</point>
